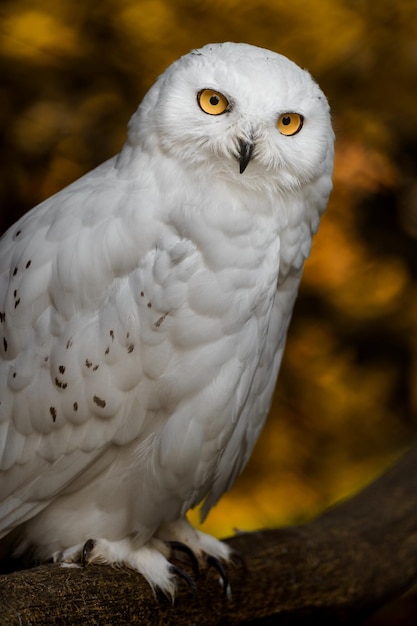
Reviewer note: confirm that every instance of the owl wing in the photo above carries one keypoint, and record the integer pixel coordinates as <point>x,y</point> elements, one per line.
<point>71,369</point>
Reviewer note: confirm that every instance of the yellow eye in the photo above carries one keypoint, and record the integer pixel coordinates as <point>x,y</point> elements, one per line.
<point>290,123</point>
<point>212,102</point>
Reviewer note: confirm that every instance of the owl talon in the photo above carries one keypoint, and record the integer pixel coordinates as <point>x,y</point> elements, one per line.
<point>217,565</point>
<point>178,546</point>
<point>87,549</point>
<point>179,573</point>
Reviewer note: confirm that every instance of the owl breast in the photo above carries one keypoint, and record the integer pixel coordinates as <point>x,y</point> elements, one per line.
<point>211,340</point>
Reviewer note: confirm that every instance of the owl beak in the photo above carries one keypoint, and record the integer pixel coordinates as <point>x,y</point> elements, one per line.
<point>245,154</point>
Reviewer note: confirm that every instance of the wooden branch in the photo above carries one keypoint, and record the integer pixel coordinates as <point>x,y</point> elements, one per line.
<point>336,569</point>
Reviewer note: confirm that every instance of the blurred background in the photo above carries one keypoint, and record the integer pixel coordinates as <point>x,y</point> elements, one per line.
<point>72,73</point>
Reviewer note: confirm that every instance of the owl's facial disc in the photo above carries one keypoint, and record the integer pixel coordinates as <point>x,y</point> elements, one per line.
<point>245,154</point>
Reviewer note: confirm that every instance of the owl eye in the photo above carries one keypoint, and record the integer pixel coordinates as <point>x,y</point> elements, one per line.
<point>212,102</point>
<point>290,123</point>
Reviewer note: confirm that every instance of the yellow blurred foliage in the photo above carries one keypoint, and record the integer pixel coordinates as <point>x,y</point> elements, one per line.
<point>346,400</point>
<point>36,35</point>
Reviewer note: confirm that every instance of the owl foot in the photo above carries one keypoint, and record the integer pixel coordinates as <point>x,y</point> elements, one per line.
<point>150,560</point>
<point>203,551</point>
<point>211,561</point>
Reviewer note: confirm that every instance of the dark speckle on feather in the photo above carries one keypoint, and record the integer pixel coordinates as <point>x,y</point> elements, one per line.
<point>160,320</point>
<point>5,344</point>
<point>28,264</point>
<point>52,411</point>
<point>99,401</point>
<point>60,384</point>
<point>15,271</point>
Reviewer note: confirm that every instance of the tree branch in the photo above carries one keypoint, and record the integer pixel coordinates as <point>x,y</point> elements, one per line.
<point>338,568</point>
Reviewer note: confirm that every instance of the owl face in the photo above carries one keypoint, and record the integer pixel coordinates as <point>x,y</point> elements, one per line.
<point>242,113</point>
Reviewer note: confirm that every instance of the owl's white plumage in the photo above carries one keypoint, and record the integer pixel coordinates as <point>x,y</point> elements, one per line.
<point>144,311</point>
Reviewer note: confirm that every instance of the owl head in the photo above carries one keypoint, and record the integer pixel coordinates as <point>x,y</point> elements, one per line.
<point>241,113</point>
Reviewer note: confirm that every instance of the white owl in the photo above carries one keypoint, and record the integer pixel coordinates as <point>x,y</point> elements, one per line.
<point>144,311</point>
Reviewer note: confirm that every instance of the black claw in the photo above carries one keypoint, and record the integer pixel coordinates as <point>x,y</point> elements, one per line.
<point>182,547</point>
<point>162,597</point>
<point>213,562</point>
<point>181,574</point>
<point>88,547</point>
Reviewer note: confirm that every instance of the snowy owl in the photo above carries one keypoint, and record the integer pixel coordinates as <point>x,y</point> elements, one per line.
<point>144,311</point>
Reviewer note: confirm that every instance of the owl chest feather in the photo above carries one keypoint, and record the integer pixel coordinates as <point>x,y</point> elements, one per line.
<point>148,320</point>
<point>212,334</point>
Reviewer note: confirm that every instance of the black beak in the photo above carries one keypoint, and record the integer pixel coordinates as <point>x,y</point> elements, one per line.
<point>245,154</point>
